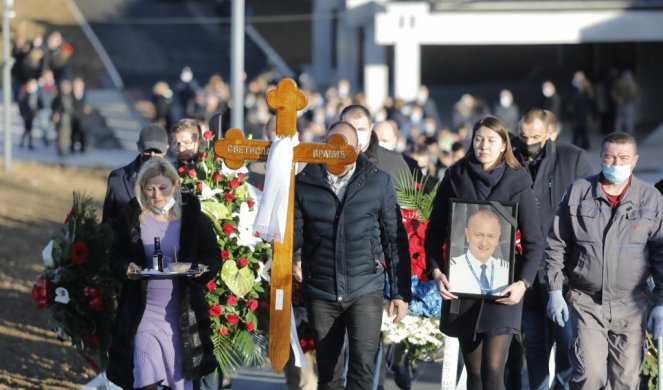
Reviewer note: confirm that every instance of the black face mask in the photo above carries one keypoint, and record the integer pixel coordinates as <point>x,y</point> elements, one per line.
<point>531,150</point>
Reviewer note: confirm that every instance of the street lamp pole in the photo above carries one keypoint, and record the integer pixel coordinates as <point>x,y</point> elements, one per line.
<point>237,64</point>
<point>6,82</point>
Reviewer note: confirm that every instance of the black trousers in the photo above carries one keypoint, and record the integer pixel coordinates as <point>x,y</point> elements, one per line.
<point>361,318</point>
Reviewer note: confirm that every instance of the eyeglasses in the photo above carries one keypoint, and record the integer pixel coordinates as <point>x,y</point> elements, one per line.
<point>186,144</point>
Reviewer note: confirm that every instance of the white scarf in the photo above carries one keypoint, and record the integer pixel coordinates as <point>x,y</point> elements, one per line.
<point>273,211</point>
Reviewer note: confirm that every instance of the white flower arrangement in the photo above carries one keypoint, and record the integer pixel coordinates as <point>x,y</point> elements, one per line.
<point>421,335</point>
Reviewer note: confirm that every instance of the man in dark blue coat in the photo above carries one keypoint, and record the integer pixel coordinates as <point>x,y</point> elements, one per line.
<point>152,142</point>
<point>338,227</point>
<point>553,166</point>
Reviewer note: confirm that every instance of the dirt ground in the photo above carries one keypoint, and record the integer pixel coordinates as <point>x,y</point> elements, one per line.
<point>34,201</point>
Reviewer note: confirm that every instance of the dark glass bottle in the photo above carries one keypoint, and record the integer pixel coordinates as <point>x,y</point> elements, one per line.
<point>157,255</point>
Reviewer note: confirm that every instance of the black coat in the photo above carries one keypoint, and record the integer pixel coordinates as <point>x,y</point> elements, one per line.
<point>120,189</point>
<point>197,244</point>
<point>342,254</point>
<point>475,315</point>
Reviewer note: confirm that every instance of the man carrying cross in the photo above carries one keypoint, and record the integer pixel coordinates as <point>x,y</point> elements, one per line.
<point>337,226</point>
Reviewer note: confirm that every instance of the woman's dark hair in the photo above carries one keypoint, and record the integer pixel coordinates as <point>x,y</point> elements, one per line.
<point>496,125</point>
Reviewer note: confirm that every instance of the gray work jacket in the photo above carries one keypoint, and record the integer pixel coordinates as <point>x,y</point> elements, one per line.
<point>606,252</point>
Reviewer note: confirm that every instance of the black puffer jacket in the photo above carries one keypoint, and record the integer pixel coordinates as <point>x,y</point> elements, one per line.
<point>197,244</point>
<point>342,255</point>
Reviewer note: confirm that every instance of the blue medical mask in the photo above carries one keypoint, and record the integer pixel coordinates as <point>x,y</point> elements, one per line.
<point>165,208</point>
<point>616,174</point>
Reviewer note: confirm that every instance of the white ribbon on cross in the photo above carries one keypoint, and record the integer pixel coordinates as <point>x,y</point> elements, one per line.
<point>273,211</point>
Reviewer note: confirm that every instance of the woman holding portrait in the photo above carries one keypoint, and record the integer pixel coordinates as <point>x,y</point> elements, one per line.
<point>161,334</point>
<point>488,172</point>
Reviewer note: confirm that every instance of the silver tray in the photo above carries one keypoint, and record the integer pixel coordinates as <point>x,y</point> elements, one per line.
<point>151,273</point>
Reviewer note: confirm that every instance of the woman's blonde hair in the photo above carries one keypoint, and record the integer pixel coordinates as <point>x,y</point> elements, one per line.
<point>158,167</point>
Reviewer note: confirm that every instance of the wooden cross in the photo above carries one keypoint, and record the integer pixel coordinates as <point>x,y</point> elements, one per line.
<point>286,99</point>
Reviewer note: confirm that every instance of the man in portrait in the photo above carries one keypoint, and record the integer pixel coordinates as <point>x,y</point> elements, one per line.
<point>477,271</point>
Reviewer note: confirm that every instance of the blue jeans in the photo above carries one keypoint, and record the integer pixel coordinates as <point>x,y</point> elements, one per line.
<point>540,335</point>
<point>361,319</point>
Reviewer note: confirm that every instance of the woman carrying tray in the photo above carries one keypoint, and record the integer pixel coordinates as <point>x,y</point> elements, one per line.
<point>161,335</point>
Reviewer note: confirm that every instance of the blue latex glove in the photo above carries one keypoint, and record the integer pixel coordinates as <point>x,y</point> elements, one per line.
<point>655,323</point>
<point>558,310</point>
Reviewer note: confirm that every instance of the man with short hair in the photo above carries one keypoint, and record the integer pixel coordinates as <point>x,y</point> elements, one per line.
<point>338,222</point>
<point>607,238</point>
<point>185,140</point>
<point>477,271</point>
<point>152,142</point>
<point>554,166</point>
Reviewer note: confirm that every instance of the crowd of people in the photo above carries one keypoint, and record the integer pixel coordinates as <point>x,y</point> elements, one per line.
<point>49,96</point>
<point>570,284</point>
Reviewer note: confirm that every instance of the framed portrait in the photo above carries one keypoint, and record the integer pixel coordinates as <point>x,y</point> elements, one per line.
<point>481,249</point>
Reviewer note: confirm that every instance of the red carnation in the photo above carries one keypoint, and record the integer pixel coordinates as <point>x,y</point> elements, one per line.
<point>199,186</point>
<point>214,310</point>
<point>241,176</point>
<point>225,253</point>
<point>232,300</point>
<point>211,286</point>
<point>91,292</point>
<point>251,203</point>
<point>252,304</point>
<point>96,304</point>
<point>208,135</point>
<point>228,229</point>
<point>242,262</point>
<point>223,331</point>
<point>181,171</point>
<point>234,183</point>
<point>250,326</point>
<point>79,253</point>
<point>191,172</point>
<point>41,291</point>
<point>232,319</point>
<point>229,197</point>
<point>216,177</point>
<point>203,155</point>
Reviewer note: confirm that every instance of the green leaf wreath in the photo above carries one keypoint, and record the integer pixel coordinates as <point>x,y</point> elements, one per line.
<point>76,284</point>
<point>238,296</point>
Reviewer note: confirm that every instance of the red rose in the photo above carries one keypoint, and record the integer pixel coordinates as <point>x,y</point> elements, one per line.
<point>214,310</point>
<point>251,204</point>
<point>79,253</point>
<point>96,304</point>
<point>242,262</point>
<point>250,326</point>
<point>191,172</point>
<point>208,135</point>
<point>252,304</point>
<point>228,229</point>
<point>91,292</point>
<point>232,300</point>
<point>211,286</point>
<point>232,319</point>
<point>199,186</point>
<point>225,253</point>
<point>234,183</point>
<point>181,170</point>
<point>216,177</point>
<point>41,291</point>
<point>229,197</point>
<point>241,176</point>
<point>203,155</point>
<point>223,331</point>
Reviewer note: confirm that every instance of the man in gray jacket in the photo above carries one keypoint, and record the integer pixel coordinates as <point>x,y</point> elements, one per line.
<point>607,237</point>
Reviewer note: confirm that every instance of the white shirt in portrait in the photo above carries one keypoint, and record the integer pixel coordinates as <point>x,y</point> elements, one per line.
<point>465,274</point>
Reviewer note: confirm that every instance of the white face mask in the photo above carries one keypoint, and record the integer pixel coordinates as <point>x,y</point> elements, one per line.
<point>165,208</point>
<point>415,118</point>
<point>505,102</point>
<point>616,174</point>
<point>547,92</point>
<point>364,138</point>
<point>388,145</point>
